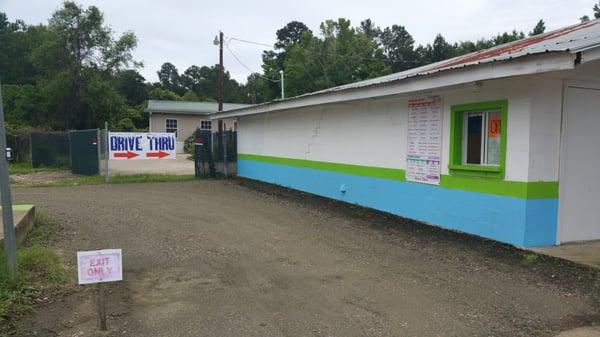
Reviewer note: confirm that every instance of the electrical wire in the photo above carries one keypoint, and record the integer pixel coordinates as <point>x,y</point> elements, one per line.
<point>250,42</point>
<point>248,68</point>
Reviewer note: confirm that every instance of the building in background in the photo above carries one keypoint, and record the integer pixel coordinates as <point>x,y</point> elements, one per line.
<point>183,118</point>
<point>500,143</point>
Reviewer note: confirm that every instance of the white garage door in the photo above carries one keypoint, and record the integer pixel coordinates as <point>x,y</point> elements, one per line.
<point>579,180</point>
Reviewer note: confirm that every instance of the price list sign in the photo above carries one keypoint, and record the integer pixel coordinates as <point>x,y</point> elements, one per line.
<point>424,153</point>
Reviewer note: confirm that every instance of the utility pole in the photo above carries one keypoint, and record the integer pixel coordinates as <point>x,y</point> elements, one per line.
<point>10,246</point>
<point>220,84</point>
<point>282,85</point>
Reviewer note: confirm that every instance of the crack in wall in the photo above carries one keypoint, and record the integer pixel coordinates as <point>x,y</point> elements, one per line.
<point>315,134</point>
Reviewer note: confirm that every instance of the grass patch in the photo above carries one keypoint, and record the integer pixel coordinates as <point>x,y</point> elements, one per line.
<point>119,179</point>
<point>26,168</point>
<point>39,270</point>
<point>529,258</point>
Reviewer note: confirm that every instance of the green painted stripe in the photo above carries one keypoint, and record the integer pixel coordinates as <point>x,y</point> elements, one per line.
<point>367,171</point>
<point>517,189</point>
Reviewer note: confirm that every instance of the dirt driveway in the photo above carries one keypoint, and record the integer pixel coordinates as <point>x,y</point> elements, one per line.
<point>233,258</point>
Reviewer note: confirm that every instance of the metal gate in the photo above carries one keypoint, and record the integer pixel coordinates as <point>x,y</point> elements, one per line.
<point>49,149</point>
<point>85,152</point>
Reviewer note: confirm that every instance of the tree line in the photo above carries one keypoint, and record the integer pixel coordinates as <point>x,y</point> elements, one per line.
<point>74,73</point>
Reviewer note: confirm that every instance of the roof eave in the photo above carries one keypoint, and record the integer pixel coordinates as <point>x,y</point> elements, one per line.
<point>476,72</point>
<point>178,112</point>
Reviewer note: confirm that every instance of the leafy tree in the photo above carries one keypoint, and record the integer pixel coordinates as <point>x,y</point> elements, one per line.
<point>159,93</point>
<point>290,34</point>
<point>584,18</point>
<point>373,32</point>
<point>508,37</point>
<point>131,85</point>
<point>398,46</point>
<point>190,96</point>
<point>168,76</point>
<point>77,60</point>
<point>343,55</point>
<point>539,28</point>
<point>597,10</point>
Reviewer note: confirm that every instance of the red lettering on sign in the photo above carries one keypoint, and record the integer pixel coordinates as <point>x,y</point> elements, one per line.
<point>494,126</point>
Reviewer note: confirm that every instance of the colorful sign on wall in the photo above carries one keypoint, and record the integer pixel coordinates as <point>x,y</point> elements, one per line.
<point>141,145</point>
<point>424,153</point>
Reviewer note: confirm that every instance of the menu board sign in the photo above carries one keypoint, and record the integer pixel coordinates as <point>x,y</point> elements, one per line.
<point>424,153</point>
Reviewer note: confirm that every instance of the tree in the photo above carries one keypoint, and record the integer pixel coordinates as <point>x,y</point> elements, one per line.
<point>398,46</point>
<point>539,28</point>
<point>77,60</point>
<point>190,96</point>
<point>597,10</point>
<point>343,55</point>
<point>508,37</point>
<point>168,76</point>
<point>131,85</point>
<point>290,34</point>
<point>373,32</point>
<point>584,18</point>
<point>441,50</point>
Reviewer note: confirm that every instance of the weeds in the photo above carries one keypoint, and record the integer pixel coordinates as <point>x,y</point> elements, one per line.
<point>529,258</point>
<point>39,269</point>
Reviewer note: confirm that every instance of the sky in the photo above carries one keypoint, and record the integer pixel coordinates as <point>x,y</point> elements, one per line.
<point>182,31</point>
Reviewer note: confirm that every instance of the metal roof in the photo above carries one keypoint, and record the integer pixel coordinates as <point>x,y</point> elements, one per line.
<point>184,107</point>
<point>569,39</point>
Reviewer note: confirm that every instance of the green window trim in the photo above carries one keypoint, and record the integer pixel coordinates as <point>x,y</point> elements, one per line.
<point>456,166</point>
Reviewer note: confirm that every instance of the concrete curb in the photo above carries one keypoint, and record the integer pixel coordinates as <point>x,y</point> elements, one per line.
<point>24,217</point>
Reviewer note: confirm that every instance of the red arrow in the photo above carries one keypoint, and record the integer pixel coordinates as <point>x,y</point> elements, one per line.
<point>127,154</point>
<point>159,154</point>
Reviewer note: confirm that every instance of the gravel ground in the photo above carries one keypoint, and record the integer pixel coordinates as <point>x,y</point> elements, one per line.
<point>239,258</point>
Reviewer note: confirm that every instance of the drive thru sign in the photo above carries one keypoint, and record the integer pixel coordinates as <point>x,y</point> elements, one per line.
<point>99,266</point>
<point>141,145</point>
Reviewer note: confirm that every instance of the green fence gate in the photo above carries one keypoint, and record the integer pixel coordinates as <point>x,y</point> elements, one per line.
<point>49,149</point>
<point>85,152</point>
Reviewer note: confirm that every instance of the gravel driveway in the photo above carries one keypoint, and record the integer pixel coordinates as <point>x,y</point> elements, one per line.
<point>235,258</point>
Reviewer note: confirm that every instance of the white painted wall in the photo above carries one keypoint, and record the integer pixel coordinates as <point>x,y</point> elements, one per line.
<point>373,132</point>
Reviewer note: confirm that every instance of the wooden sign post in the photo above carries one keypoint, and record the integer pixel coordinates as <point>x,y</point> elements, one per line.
<point>100,266</point>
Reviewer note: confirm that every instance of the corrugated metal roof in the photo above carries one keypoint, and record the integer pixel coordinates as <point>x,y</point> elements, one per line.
<point>570,39</point>
<point>200,108</point>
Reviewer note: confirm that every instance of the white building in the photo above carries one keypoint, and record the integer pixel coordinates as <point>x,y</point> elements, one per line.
<point>183,118</point>
<point>501,143</point>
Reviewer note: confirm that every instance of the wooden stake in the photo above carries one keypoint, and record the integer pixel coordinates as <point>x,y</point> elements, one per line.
<point>101,307</point>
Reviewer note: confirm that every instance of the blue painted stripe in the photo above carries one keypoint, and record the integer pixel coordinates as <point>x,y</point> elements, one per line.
<point>521,222</point>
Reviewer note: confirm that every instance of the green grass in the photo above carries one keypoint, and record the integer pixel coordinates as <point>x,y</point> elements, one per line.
<point>124,179</point>
<point>39,270</point>
<point>529,258</point>
<point>26,168</point>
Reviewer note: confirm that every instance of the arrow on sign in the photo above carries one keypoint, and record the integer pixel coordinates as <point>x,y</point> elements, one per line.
<point>159,154</point>
<point>127,154</point>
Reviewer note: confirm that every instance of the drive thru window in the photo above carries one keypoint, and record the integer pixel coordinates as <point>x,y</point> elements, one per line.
<point>171,126</point>
<point>478,139</point>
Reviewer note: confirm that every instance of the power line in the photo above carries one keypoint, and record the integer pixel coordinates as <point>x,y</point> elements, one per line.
<point>248,68</point>
<point>250,42</point>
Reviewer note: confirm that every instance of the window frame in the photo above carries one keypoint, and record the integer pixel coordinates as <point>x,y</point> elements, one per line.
<point>456,164</point>
<point>176,127</point>
<point>205,121</point>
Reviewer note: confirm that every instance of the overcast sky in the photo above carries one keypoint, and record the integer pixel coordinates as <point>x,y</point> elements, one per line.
<point>182,31</point>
